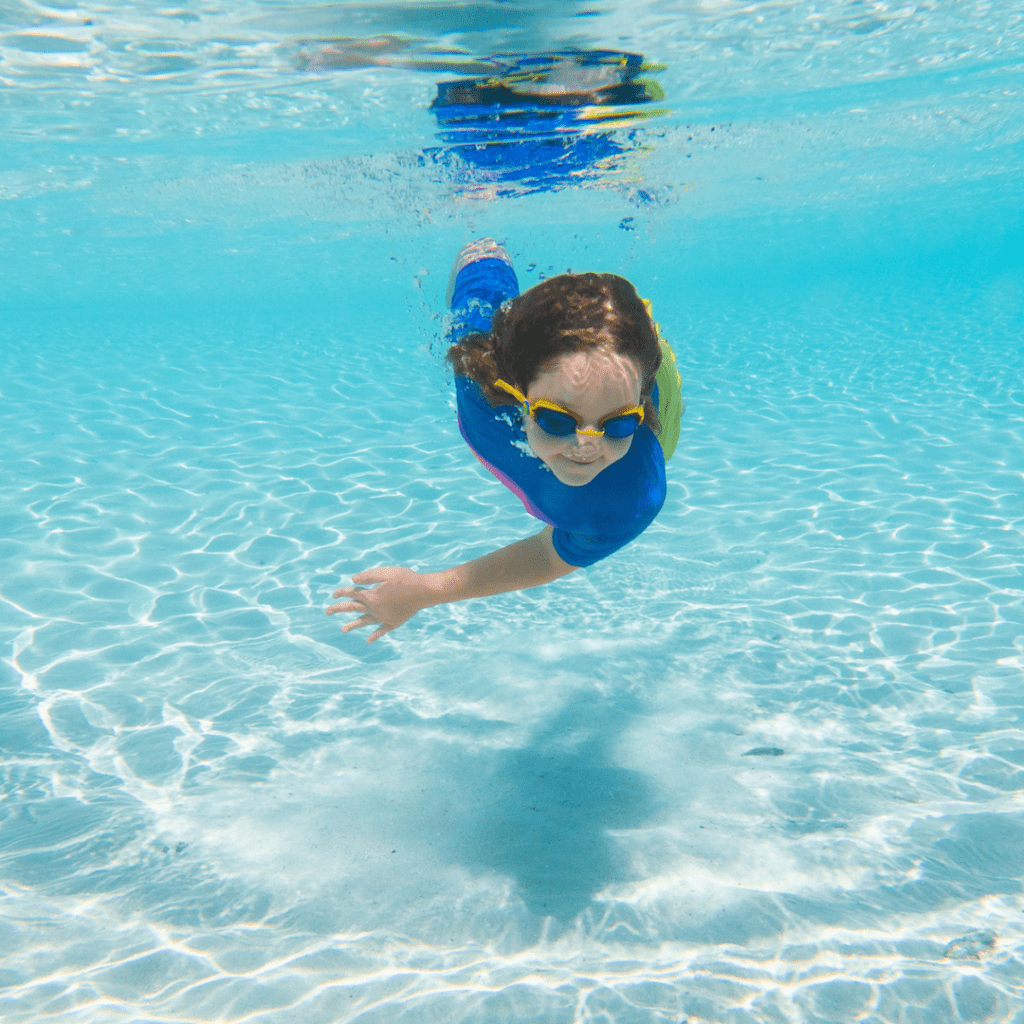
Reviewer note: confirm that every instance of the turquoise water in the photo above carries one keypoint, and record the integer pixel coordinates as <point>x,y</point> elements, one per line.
<point>766,764</point>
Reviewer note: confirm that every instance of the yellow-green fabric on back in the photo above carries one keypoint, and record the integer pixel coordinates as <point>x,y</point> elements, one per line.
<point>670,395</point>
<point>670,400</point>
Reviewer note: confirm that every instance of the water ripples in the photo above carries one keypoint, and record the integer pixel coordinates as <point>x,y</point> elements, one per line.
<point>217,805</point>
<point>87,71</point>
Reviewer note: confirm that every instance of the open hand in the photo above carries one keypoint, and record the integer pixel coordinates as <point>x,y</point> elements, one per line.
<point>400,594</point>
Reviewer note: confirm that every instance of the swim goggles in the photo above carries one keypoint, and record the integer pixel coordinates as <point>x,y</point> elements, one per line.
<point>559,422</point>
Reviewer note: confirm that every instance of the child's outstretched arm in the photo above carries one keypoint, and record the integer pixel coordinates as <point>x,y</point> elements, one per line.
<point>400,593</point>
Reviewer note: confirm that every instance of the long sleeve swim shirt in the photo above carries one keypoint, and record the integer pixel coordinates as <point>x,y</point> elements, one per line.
<point>590,522</point>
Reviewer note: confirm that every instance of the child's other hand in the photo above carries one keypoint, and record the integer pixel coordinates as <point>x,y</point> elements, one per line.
<point>399,595</point>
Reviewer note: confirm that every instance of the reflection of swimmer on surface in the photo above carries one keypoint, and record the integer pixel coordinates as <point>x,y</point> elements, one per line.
<point>545,121</point>
<point>573,78</point>
<point>569,397</point>
<point>529,122</point>
<point>352,54</point>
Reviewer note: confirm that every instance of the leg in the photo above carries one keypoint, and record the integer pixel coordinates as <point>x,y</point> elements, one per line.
<point>481,249</point>
<point>482,279</point>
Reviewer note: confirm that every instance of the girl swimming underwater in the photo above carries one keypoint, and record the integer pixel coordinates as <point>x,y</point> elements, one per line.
<point>568,396</point>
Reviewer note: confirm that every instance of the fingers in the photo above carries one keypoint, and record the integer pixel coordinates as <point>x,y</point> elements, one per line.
<point>349,606</point>
<point>378,633</point>
<point>363,620</point>
<point>356,603</point>
<point>377,575</point>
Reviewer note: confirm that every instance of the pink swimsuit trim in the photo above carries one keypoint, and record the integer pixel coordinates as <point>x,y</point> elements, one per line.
<point>507,481</point>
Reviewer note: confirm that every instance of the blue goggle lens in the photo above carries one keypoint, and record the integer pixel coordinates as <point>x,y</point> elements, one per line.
<point>622,426</point>
<point>558,424</point>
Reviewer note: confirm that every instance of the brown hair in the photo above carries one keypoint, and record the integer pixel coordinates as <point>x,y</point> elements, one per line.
<point>565,314</point>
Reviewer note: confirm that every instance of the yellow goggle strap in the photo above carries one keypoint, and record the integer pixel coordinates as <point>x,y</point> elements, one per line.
<point>514,392</point>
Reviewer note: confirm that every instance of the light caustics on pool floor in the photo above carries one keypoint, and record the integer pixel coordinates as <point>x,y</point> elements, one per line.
<point>566,805</point>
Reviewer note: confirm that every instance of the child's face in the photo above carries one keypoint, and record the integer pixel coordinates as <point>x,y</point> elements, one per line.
<point>593,385</point>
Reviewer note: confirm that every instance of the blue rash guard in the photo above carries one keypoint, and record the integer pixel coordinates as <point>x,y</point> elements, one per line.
<point>590,522</point>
